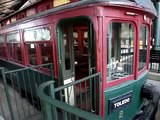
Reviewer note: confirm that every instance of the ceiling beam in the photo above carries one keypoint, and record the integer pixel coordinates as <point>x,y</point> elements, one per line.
<point>10,3</point>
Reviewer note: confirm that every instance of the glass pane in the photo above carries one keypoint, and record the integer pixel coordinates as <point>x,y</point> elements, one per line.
<point>18,54</point>
<point>2,50</point>
<point>11,50</point>
<point>13,37</point>
<point>1,39</point>
<point>46,53</point>
<point>32,54</point>
<point>143,47</point>
<point>120,48</point>
<point>75,41</point>
<point>67,51</point>
<point>39,34</point>
<point>85,42</point>
<point>15,51</point>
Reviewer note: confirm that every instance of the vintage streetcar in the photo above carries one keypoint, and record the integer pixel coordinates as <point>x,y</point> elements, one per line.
<point>97,52</point>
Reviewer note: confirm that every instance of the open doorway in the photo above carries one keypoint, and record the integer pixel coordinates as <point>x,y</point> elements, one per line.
<point>77,56</point>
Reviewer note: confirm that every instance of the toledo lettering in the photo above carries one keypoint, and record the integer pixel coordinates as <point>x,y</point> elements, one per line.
<point>122,102</point>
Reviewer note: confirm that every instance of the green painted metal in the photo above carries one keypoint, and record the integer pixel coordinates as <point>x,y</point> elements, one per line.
<point>59,53</point>
<point>85,94</point>
<point>10,65</point>
<point>157,25</point>
<point>2,110</point>
<point>75,82</point>
<point>128,112</point>
<point>71,114</point>
<point>23,84</point>
<point>7,94</point>
<point>29,78</point>
<point>67,109</point>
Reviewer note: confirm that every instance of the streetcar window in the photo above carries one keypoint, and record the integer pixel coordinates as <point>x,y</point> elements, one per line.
<point>14,46</point>
<point>1,39</point>
<point>31,49</point>
<point>13,37</point>
<point>2,47</point>
<point>75,41</point>
<point>39,34</point>
<point>120,48</point>
<point>31,12</point>
<point>13,19</point>
<point>67,50</point>
<point>46,53</point>
<point>143,46</point>
<point>41,51</point>
<point>8,22</point>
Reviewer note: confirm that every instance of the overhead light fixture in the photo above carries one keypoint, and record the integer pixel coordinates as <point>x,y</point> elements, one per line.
<point>131,13</point>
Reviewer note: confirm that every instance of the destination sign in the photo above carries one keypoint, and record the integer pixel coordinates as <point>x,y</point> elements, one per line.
<point>60,2</point>
<point>119,102</point>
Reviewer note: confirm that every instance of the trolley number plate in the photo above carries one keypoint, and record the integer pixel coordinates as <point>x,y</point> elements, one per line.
<point>119,102</point>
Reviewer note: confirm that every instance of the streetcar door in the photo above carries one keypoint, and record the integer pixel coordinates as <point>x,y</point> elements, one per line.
<point>76,51</point>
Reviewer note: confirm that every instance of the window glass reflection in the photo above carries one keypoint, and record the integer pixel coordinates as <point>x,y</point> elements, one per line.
<point>31,49</point>
<point>13,37</point>
<point>67,50</point>
<point>46,53</point>
<point>1,39</point>
<point>39,34</point>
<point>143,47</point>
<point>120,47</point>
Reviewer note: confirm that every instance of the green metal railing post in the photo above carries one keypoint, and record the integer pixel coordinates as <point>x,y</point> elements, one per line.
<point>1,109</point>
<point>159,67</point>
<point>7,94</point>
<point>52,75</point>
<point>48,111</point>
<point>52,93</point>
<point>69,110</point>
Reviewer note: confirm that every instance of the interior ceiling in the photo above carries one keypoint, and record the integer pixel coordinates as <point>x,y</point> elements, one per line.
<point>9,6</point>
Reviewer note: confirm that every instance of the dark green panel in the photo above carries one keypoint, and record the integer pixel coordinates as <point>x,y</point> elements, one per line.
<point>127,112</point>
<point>9,65</point>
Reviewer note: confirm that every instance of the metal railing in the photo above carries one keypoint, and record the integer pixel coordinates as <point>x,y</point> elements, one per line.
<point>84,104</point>
<point>20,100</point>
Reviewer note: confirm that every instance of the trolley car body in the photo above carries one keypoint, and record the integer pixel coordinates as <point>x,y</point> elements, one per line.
<point>81,38</point>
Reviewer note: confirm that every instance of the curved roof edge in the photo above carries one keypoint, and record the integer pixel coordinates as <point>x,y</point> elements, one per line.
<point>147,5</point>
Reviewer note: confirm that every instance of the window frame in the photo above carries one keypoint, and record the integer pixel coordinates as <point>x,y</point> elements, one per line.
<point>3,46</point>
<point>13,45</point>
<point>146,67</point>
<point>133,75</point>
<point>34,28</point>
<point>37,45</point>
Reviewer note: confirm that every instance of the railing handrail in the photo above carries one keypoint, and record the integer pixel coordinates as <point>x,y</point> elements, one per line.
<point>26,68</point>
<point>76,82</point>
<point>76,111</point>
